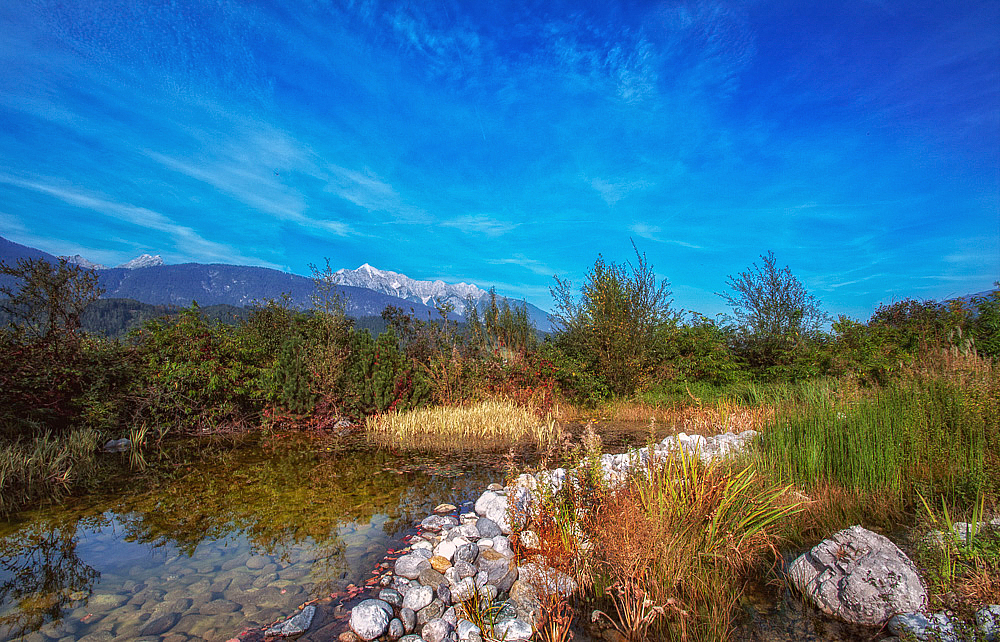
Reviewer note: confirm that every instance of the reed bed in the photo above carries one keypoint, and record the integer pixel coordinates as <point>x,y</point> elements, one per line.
<point>46,466</point>
<point>486,425</point>
<point>666,554</point>
<point>934,431</point>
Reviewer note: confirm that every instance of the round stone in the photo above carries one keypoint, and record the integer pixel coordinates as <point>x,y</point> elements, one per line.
<point>370,619</point>
<point>432,611</point>
<point>418,598</point>
<point>257,562</point>
<point>409,618</point>
<point>440,564</point>
<point>160,625</point>
<point>468,554</point>
<point>487,528</point>
<point>395,630</point>
<point>511,630</point>
<point>430,577</point>
<point>391,596</point>
<point>436,630</point>
<point>409,566</point>
<point>444,509</point>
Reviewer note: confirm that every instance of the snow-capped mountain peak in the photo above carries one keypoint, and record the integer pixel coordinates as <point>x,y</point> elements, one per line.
<point>402,286</point>
<point>142,262</point>
<point>76,259</point>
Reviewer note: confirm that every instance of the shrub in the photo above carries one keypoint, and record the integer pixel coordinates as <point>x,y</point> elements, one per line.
<point>197,375</point>
<point>775,316</point>
<point>612,326</point>
<point>985,327</point>
<point>379,378</point>
<point>293,382</point>
<point>696,351</point>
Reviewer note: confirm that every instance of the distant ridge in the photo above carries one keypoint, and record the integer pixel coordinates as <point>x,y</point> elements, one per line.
<point>366,291</point>
<point>432,293</point>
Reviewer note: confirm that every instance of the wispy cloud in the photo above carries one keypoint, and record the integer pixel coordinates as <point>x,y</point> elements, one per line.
<point>187,240</point>
<point>480,224</point>
<point>654,233</point>
<point>532,265</point>
<point>614,191</point>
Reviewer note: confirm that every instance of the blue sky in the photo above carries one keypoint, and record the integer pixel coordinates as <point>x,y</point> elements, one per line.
<point>503,143</point>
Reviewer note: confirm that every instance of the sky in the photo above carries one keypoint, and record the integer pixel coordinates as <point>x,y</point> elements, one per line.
<point>504,143</point>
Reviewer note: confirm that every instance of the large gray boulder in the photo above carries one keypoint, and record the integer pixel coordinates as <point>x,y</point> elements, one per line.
<point>860,577</point>
<point>370,619</point>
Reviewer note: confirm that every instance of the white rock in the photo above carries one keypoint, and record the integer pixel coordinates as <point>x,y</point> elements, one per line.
<point>370,619</point>
<point>860,577</point>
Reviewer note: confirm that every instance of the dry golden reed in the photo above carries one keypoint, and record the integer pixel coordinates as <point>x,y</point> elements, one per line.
<point>485,425</point>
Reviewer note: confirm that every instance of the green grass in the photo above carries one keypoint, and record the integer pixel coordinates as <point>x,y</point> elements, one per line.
<point>932,434</point>
<point>747,393</point>
<point>44,467</point>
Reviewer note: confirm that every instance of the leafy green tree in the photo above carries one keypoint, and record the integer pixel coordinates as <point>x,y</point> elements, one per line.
<point>52,377</point>
<point>613,325</point>
<point>774,314</point>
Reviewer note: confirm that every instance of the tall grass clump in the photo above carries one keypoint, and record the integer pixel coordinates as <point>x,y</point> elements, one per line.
<point>44,467</point>
<point>935,430</point>
<point>484,425</point>
<point>677,541</point>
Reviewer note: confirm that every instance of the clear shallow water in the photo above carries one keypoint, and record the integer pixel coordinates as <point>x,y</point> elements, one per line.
<point>207,541</point>
<point>210,539</point>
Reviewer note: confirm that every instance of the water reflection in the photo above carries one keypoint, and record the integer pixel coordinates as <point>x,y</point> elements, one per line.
<point>208,539</point>
<point>40,574</point>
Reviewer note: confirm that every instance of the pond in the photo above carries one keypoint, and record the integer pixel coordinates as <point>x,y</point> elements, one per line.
<point>208,538</point>
<point>212,538</point>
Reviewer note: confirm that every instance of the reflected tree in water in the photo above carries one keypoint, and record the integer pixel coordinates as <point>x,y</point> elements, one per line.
<point>41,575</point>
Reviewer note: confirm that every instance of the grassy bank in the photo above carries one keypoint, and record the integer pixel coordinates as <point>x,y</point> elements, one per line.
<point>935,431</point>
<point>45,467</point>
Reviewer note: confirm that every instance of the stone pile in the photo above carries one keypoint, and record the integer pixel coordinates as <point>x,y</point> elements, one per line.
<point>451,561</point>
<point>455,559</point>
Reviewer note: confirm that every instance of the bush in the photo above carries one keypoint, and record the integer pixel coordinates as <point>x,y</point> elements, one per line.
<point>612,327</point>
<point>293,381</point>
<point>378,377</point>
<point>697,351</point>
<point>573,378</point>
<point>985,327</point>
<point>199,376</point>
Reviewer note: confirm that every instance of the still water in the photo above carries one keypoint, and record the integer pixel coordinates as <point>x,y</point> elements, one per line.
<point>208,539</point>
<point>205,539</point>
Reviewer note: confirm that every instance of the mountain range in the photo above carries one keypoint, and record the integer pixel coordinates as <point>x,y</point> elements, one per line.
<point>365,291</point>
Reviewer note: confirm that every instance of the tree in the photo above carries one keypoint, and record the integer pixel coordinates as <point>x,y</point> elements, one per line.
<point>614,323</point>
<point>774,313</point>
<point>50,298</point>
